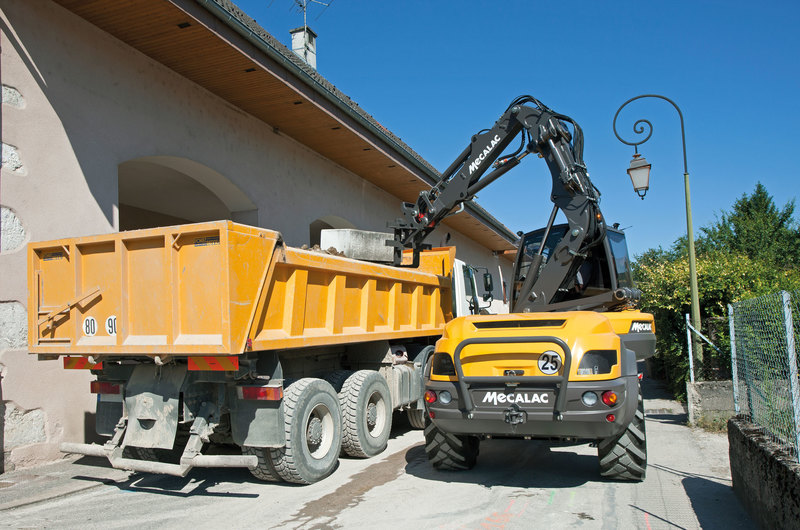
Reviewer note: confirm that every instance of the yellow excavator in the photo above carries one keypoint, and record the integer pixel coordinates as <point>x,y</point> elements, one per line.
<point>563,363</point>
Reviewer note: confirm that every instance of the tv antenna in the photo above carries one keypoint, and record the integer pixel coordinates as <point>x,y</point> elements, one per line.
<point>303,5</point>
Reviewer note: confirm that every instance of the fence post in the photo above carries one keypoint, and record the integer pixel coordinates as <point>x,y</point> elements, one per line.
<point>793,382</point>
<point>691,354</point>
<point>734,362</point>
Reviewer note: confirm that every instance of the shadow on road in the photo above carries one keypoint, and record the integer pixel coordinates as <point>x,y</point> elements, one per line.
<point>197,483</point>
<point>714,503</point>
<point>515,463</point>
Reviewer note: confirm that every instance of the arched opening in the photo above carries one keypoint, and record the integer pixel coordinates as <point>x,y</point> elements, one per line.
<point>324,223</point>
<point>165,190</point>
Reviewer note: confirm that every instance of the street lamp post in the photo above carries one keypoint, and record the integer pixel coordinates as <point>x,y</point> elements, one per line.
<point>640,173</point>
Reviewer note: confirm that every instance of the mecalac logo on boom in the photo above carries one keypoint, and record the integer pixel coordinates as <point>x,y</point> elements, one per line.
<point>498,397</point>
<point>477,162</point>
<point>642,327</point>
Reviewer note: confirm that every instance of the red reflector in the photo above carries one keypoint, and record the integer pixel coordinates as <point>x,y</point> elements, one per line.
<point>214,363</point>
<point>104,387</point>
<point>431,414</point>
<point>610,418</point>
<point>81,363</point>
<point>430,396</point>
<point>262,393</point>
<point>610,398</point>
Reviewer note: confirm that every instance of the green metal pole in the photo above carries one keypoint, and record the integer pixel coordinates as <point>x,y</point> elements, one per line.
<point>692,269</point>
<point>639,128</point>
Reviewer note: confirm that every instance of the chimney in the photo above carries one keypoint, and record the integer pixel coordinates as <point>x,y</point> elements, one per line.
<point>304,45</point>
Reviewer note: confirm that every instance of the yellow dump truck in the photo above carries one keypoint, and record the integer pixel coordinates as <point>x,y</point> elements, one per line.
<point>217,334</point>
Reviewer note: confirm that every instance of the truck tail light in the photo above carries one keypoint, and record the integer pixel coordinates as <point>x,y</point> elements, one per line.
<point>430,396</point>
<point>104,387</point>
<point>260,393</point>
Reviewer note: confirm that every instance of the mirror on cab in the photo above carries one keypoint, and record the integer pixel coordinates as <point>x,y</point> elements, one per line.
<point>488,286</point>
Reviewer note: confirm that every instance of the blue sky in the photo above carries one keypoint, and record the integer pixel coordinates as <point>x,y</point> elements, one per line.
<point>435,72</point>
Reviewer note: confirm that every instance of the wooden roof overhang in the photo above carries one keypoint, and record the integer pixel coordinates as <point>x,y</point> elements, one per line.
<point>217,46</point>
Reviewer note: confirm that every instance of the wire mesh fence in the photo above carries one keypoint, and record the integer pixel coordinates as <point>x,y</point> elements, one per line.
<point>709,355</point>
<point>764,333</point>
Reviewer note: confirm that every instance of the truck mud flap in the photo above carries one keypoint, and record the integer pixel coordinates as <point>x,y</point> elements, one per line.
<point>191,457</point>
<point>557,382</point>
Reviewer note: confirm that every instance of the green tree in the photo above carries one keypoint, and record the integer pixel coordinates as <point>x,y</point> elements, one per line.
<point>752,250</point>
<point>758,229</point>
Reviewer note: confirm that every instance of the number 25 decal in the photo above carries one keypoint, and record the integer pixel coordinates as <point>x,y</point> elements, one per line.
<point>549,362</point>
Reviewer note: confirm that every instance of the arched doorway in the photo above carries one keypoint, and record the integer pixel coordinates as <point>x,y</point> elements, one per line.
<point>165,190</point>
<point>324,223</point>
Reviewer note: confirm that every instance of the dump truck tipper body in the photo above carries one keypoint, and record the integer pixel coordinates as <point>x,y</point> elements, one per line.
<point>218,333</point>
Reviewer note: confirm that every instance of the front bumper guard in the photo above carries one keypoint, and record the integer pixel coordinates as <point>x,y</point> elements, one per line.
<point>558,382</point>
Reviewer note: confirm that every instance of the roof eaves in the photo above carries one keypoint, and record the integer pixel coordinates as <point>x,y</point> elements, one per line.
<point>239,21</point>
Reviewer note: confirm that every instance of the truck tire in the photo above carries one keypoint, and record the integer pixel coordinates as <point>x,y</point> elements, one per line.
<point>624,457</point>
<point>266,468</point>
<point>337,378</point>
<point>312,426</point>
<point>451,452</point>
<point>366,414</point>
<point>416,417</point>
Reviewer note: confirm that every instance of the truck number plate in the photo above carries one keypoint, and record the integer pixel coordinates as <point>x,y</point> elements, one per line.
<point>524,399</point>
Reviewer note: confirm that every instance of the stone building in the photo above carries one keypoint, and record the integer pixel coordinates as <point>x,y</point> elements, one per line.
<point>122,115</point>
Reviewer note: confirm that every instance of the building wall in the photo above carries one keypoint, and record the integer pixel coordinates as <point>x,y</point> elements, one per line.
<point>77,104</point>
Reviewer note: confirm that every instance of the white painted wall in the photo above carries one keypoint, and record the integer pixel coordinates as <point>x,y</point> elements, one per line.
<point>76,104</point>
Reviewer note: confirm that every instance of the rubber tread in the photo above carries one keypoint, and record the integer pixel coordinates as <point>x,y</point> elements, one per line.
<point>416,417</point>
<point>337,378</point>
<point>450,451</point>
<point>353,441</point>
<point>266,469</point>
<point>624,457</point>
<point>288,459</point>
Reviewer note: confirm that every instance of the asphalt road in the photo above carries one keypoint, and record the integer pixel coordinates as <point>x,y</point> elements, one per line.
<point>516,484</point>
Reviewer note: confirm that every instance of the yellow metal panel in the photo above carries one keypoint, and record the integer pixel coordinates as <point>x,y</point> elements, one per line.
<point>208,288</point>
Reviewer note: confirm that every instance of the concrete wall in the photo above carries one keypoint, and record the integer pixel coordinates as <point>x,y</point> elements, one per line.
<point>709,401</point>
<point>77,106</point>
<point>766,479</point>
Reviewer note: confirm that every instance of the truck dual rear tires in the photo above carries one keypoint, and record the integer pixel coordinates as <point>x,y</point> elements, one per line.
<point>366,414</point>
<point>624,457</point>
<point>450,451</point>
<point>266,469</point>
<point>312,423</point>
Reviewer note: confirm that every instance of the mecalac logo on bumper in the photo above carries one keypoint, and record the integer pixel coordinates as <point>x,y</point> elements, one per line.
<point>498,397</point>
<point>481,157</point>
<point>642,327</point>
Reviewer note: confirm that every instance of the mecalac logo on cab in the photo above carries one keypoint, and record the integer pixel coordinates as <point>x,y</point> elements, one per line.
<point>642,327</point>
<point>481,157</point>
<point>528,397</point>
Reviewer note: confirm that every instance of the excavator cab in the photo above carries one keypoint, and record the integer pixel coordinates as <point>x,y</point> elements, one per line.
<point>605,268</point>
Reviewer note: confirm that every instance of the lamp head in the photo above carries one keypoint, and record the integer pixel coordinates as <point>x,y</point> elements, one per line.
<point>639,171</point>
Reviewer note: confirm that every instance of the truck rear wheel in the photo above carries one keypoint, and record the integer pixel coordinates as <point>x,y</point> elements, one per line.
<point>416,417</point>
<point>366,414</point>
<point>312,423</point>
<point>624,457</point>
<point>450,451</point>
<point>266,468</point>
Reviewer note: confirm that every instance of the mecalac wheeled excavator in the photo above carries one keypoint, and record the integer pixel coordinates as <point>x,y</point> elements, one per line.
<point>563,364</point>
